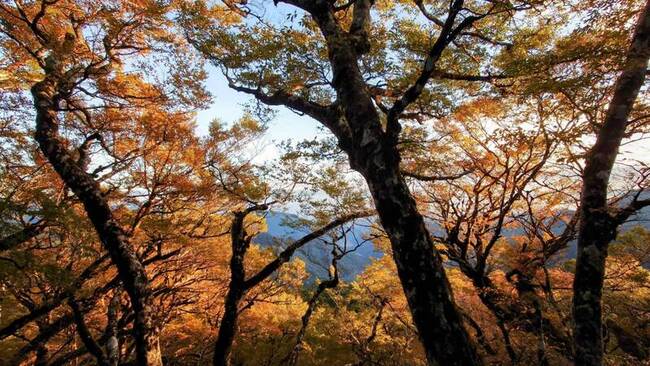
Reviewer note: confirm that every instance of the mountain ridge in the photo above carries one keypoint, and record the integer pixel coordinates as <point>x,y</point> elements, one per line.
<point>282,229</point>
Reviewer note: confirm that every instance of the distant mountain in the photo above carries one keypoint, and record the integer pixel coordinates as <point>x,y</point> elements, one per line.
<point>641,218</point>
<point>317,256</point>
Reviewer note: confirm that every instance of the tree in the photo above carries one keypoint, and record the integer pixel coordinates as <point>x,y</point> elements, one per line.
<point>128,237</point>
<point>598,226</point>
<point>80,77</point>
<point>340,248</point>
<point>240,240</point>
<point>476,212</point>
<point>333,85</point>
<point>239,284</point>
<point>625,293</point>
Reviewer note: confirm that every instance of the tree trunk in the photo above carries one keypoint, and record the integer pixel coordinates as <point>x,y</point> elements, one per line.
<point>421,272</point>
<point>228,326</point>
<point>236,290</point>
<point>46,94</point>
<point>373,153</point>
<point>597,226</point>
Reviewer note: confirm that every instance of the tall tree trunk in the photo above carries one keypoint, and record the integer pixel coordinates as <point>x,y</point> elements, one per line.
<point>373,153</point>
<point>597,226</point>
<point>46,95</point>
<point>420,270</point>
<point>236,290</point>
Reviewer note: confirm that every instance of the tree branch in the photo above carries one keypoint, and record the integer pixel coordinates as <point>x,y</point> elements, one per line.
<point>13,240</point>
<point>631,209</point>
<point>435,178</point>
<point>330,115</point>
<point>286,254</point>
<point>447,34</point>
<point>360,25</point>
<point>85,335</point>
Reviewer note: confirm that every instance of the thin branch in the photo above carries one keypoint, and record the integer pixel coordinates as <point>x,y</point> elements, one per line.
<point>286,254</point>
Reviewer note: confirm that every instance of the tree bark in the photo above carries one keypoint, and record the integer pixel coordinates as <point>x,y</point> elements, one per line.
<point>597,226</point>
<point>421,272</point>
<point>46,95</point>
<point>227,328</point>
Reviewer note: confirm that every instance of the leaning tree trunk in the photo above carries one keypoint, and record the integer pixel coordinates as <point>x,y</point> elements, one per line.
<point>46,95</point>
<point>373,153</point>
<point>420,270</point>
<point>597,226</point>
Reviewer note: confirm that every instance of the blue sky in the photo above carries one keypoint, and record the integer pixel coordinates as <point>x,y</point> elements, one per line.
<point>228,106</point>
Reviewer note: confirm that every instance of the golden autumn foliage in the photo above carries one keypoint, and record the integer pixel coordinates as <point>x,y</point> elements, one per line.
<point>295,260</point>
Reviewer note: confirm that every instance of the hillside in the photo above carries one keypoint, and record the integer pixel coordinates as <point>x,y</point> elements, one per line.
<point>316,255</point>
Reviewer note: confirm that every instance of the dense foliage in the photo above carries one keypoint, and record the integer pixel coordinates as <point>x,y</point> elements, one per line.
<point>479,170</point>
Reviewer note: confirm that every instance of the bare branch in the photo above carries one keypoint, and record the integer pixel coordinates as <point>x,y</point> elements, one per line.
<point>435,178</point>
<point>286,254</point>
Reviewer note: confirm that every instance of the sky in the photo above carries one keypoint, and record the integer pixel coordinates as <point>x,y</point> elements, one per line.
<point>228,106</point>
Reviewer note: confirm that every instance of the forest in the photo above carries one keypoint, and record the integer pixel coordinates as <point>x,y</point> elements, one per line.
<point>324,182</point>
